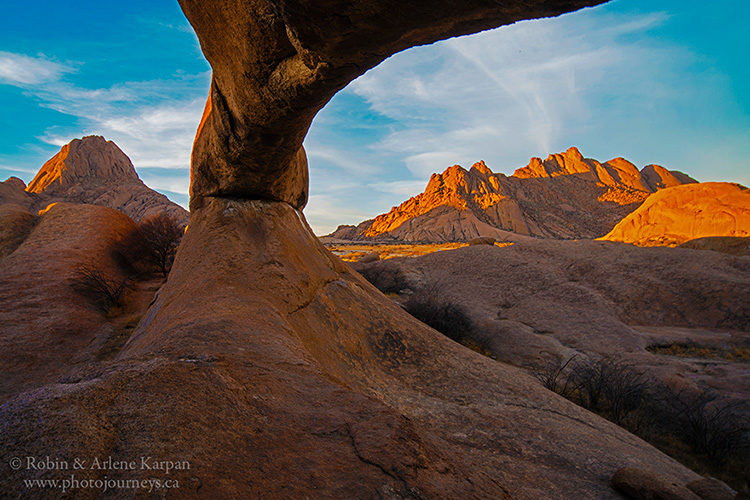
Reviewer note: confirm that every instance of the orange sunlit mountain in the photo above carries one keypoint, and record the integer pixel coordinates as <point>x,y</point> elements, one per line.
<point>91,170</point>
<point>564,196</point>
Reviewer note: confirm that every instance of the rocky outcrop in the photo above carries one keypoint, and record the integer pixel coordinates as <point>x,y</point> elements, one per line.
<point>687,212</point>
<point>565,196</point>
<point>712,489</point>
<point>94,170</point>
<point>263,352</point>
<point>733,245</point>
<point>657,177</point>
<point>541,299</point>
<point>16,222</point>
<point>17,214</point>
<point>640,484</point>
<point>13,192</point>
<point>46,327</point>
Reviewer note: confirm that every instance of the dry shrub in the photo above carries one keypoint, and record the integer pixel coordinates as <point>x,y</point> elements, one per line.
<point>104,291</point>
<point>554,375</point>
<point>711,436</point>
<point>718,429</point>
<point>450,319</point>
<point>385,276</point>
<point>152,244</point>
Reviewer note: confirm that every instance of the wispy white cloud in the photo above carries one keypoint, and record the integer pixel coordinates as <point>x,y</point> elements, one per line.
<point>403,188</point>
<point>340,160</point>
<point>325,213</point>
<point>153,136</point>
<point>22,70</point>
<point>589,79</point>
<point>20,171</point>
<point>154,122</point>
<point>506,92</point>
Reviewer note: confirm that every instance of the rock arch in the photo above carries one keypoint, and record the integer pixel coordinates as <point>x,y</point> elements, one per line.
<point>269,365</point>
<point>276,63</point>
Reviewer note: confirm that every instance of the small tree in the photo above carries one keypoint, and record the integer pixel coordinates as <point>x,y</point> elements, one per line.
<point>717,428</point>
<point>154,242</point>
<point>387,277</point>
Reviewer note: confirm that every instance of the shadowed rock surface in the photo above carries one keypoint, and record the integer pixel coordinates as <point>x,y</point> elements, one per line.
<point>16,222</point>
<point>46,327</point>
<point>733,245</point>
<point>539,299</point>
<point>13,192</point>
<point>94,170</point>
<point>565,196</point>
<point>639,484</point>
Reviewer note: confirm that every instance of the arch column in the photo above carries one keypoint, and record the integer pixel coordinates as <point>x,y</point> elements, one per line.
<point>276,63</point>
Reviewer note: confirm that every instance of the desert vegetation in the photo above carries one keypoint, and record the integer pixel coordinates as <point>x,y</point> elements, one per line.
<point>353,252</point>
<point>146,250</point>
<point>709,435</point>
<point>449,318</point>
<point>387,277</point>
<point>152,245</point>
<point>103,290</point>
<point>695,350</point>
<point>429,306</point>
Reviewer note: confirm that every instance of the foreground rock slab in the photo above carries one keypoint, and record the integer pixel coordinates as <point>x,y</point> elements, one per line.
<point>277,371</point>
<point>641,484</point>
<point>45,327</point>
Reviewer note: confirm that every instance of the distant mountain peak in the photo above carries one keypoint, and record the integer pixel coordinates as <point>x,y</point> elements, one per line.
<point>481,167</point>
<point>91,159</point>
<point>95,171</point>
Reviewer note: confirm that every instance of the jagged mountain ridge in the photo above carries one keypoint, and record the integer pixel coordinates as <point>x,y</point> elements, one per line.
<point>565,196</point>
<point>95,171</point>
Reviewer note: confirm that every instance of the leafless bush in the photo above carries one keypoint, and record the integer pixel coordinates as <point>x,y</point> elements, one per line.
<point>717,429</point>
<point>154,243</point>
<point>104,291</point>
<point>553,376</point>
<point>430,307</point>
<point>609,385</point>
<point>711,436</point>
<point>386,277</point>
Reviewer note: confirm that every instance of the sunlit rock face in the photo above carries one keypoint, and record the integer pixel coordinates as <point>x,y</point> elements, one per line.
<point>83,161</point>
<point>565,196</point>
<point>277,62</point>
<point>96,171</point>
<point>681,213</point>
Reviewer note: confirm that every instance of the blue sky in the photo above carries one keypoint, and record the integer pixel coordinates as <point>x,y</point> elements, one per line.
<point>654,81</point>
